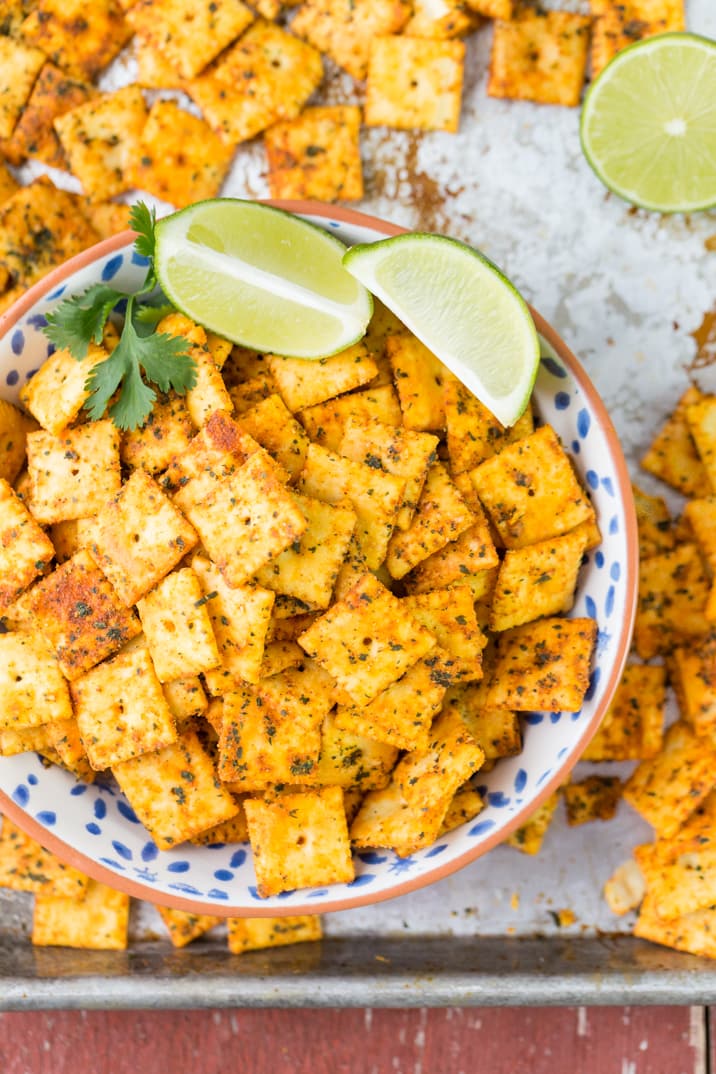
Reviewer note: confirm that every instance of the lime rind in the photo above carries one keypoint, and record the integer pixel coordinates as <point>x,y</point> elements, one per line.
<point>262,277</point>
<point>625,57</point>
<point>462,307</point>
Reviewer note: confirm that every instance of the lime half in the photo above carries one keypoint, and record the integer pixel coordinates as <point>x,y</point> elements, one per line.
<point>261,277</point>
<point>649,123</point>
<point>462,308</point>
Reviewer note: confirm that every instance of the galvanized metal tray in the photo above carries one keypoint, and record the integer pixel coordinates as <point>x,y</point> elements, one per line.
<point>634,296</point>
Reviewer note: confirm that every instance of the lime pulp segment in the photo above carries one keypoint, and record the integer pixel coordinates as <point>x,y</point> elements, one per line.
<point>462,308</point>
<point>648,125</point>
<point>261,277</point>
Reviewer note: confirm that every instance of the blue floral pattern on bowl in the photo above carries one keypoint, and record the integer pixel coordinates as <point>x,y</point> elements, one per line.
<point>98,822</point>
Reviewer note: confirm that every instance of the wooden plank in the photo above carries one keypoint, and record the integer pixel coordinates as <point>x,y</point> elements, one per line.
<point>629,1040</point>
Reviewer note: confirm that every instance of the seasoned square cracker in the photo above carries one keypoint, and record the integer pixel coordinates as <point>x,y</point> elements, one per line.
<point>543,665</point>
<point>700,516</point>
<point>537,580</point>
<point>56,393</point>
<point>420,379</point>
<point>654,524</point>
<point>26,866</point>
<point>179,159</point>
<point>271,733</point>
<point>8,187</point>
<point>167,432</point>
<point>701,419</point>
<point>53,94</point>
<point>449,615</point>
<point>398,451</point>
<point>441,516</point>
<point>153,70</point>
<point>20,65</point>
<point>374,495</point>
<point>248,393</point>
<point>279,655</point>
<point>470,560</point>
<point>385,819</point>
<point>34,739</point>
<point>78,40</point>
<point>345,29</point>
<point>209,392</point>
<point>693,676</point>
<point>530,491</point>
<point>400,715</point>
<point>695,933</point>
<point>258,933</point>
<point>40,227</point>
<point>414,83</point>
<point>101,140</point>
<point>272,425</point>
<point>493,9</point>
<point>299,840</point>
<point>316,155</point>
<point>303,384</point>
<point>367,640</point>
<point>174,792</point>
<point>234,830</point>
<point>673,591</point>
<point>25,548</point>
<point>625,888</point>
<point>619,23</point>
<point>183,927</point>
<point>496,731</point>
<point>592,798</point>
<point>98,923</point>
<point>452,18</point>
<point>189,35</point>
<point>247,520</point>
<point>80,613</point>
<point>673,456</point>
<point>121,710</point>
<point>138,537</point>
<point>632,728</point>
<point>14,427</point>
<point>186,699</point>
<point>266,76</point>
<point>177,626</point>
<point>452,756</point>
<point>307,569</point>
<point>540,56</point>
<point>217,451</point>
<point>473,432</point>
<point>352,760</point>
<point>666,788</point>
<point>240,619</point>
<point>33,690</point>
<point>529,836</point>
<point>73,475</point>
<point>326,422</point>
<point>465,806</point>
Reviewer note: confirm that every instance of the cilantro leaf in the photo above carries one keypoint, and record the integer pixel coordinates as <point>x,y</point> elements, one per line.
<point>142,220</point>
<point>121,384</point>
<point>165,361</point>
<point>80,320</point>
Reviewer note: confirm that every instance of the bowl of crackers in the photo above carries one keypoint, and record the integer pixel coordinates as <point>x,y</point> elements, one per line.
<point>315,634</point>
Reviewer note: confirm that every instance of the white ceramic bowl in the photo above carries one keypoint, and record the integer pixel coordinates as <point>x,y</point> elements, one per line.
<point>95,829</point>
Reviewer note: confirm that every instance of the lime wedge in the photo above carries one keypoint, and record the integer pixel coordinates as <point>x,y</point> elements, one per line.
<point>260,277</point>
<point>462,308</point>
<point>648,124</point>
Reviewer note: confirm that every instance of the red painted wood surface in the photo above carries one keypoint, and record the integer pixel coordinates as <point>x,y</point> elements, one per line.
<point>630,1040</point>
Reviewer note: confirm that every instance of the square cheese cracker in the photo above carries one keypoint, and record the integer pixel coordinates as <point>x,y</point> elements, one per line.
<point>367,640</point>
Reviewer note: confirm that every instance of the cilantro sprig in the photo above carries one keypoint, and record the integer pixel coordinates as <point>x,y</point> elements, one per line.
<point>143,357</point>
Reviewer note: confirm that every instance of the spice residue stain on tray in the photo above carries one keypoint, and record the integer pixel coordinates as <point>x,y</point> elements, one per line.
<point>399,176</point>
<point>705,338</point>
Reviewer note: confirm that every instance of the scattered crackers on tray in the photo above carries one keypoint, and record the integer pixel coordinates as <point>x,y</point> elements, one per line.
<point>245,71</point>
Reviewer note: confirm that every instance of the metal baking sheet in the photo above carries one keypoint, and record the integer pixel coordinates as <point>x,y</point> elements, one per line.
<point>634,296</point>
